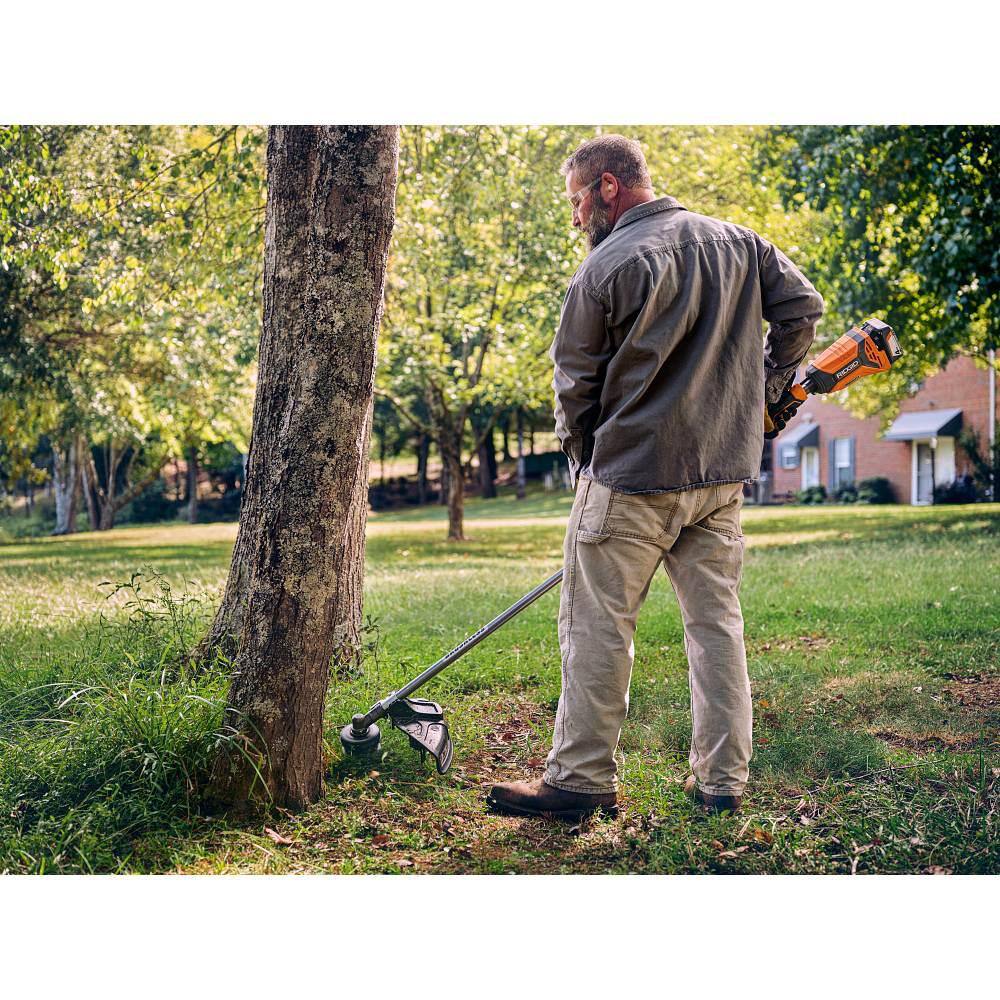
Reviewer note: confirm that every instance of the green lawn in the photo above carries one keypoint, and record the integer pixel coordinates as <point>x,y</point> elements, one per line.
<point>874,646</point>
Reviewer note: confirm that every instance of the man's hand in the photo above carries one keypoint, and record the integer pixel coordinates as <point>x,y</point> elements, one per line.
<point>777,415</point>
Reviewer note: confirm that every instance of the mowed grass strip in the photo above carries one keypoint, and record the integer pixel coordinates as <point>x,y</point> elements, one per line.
<point>873,637</point>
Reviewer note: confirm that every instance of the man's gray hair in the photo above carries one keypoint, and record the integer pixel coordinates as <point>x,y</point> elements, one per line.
<point>613,154</point>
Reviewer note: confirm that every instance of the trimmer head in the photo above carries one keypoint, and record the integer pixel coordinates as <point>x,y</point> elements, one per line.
<point>421,720</point>
<point>363,742</point>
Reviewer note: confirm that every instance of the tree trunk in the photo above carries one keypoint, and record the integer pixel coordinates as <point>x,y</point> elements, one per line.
<point>107,498</point>
<point>522,479</point>
<point>423,451</point>
<point>192,485</point>
<point>487,467</point>
<point>88,482</point>
<point>65,481</point>
<point>505,438</point>
<point>293,598</point>
<point>443,494</point>
<point>456,495</point>
<point>531,440</point>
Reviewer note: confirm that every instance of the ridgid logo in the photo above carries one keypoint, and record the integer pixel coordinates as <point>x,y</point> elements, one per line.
<point>849,368</point>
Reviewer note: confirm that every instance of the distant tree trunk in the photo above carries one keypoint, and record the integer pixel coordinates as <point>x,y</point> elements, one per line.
<point>29,498</point>
<point>456,500</point>
<point>453,483</point>
<point>423,451</point>
<point>88,482</point>
<point>487,467</point>
<point>522,479</point>
<point>531,440</point>
<point>505,437</point>
<point>443,494</point>
<point>293,598</point>
<point>65,482</point>
<point>192,485</point>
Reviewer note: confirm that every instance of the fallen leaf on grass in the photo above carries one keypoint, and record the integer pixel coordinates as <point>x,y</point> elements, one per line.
<point>278,838</point>
<point>763,836</point>
<point>380,839</point>
<point>733,854</point>
<point>938,870</point>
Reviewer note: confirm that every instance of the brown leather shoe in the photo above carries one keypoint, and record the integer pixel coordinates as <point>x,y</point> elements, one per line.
<point>535,798</point>
<point>713,803</point>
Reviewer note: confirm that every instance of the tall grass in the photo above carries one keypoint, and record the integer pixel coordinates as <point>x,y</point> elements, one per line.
<point>100,750</point>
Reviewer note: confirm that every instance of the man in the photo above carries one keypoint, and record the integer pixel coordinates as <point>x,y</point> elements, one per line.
<point>661,381</point>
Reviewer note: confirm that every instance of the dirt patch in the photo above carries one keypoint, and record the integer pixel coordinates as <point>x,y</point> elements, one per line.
<point>890,679</point>
<point>924,742</point>
<point>511,744</point>
<point>808,643</point>
<point>977,691</point>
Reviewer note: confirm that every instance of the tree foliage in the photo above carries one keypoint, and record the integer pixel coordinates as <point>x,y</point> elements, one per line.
<point>913,237</point>
<point>131,261</point>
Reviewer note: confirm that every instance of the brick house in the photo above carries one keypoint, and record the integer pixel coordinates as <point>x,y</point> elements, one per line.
<point>825,445</point>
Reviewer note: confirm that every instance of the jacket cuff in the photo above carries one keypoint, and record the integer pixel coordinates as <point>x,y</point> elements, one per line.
<point>775,383</point>
<point>572,448</point>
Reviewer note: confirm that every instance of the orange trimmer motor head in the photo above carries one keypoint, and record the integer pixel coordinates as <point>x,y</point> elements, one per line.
<point>863,350</point>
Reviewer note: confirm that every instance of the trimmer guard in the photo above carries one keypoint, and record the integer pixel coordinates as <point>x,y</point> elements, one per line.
<point>423,721</point>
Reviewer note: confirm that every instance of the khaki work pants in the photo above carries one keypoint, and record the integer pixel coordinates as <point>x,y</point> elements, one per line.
<point>614,542</point>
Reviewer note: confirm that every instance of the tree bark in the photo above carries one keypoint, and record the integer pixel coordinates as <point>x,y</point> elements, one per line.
<point>65,482</point>
<point>423,451</point>
<point>443,492</point>
<point>522,479</point>
<point>453,475</point>
<point>192,485</point>
<point>293,598</point>
<point>88,482</point>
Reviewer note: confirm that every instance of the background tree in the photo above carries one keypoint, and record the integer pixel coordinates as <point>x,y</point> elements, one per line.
<point>293,597</point>
<point>482,254</point>
<point>134,256</point>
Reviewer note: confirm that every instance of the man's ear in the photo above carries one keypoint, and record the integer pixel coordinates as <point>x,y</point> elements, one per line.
<point>609,185</point>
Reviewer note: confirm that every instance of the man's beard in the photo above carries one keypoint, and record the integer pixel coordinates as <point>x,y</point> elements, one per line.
<point>599,225</point>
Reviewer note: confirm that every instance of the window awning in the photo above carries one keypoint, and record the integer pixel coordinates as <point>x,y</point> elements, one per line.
<point>925,424</point>
<point>801,436</point>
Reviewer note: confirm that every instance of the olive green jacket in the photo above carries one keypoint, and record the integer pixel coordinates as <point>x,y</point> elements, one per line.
<point>661,368</point>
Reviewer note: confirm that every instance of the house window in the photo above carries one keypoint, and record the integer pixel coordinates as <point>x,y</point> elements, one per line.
<point>843,462</point>
<point>789,456</point>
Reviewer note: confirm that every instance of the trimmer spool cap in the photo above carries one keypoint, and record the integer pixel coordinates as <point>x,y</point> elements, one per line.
<point>367,743</point>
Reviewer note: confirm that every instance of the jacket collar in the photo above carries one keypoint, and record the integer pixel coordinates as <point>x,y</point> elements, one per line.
<point>637,212</point>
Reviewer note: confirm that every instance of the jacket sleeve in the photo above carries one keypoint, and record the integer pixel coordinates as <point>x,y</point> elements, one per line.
<point>580,352</point>
<point>792,307</point>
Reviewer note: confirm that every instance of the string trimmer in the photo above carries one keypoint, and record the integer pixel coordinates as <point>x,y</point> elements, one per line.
<point>422,720</point>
